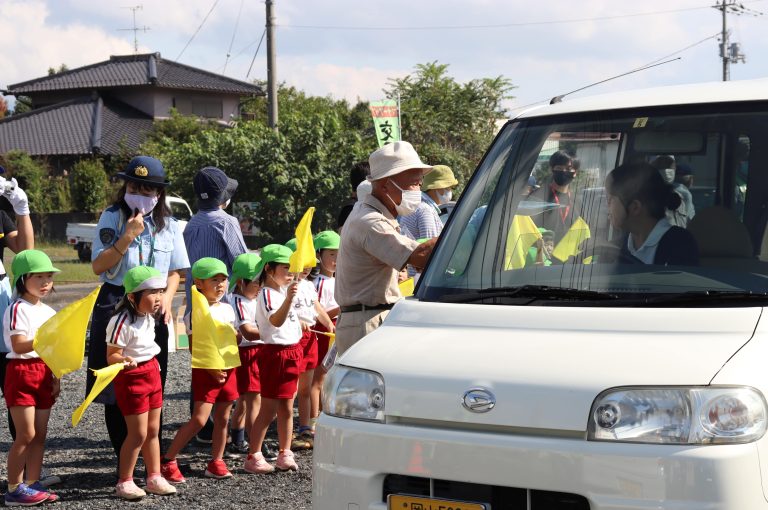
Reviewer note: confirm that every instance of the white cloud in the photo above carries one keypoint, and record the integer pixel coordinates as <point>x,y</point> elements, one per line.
<point>31,43</point>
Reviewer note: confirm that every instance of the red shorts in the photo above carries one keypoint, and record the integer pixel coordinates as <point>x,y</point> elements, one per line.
<point>309,350</point>
<point>207,389</point>
<point>323,342</point>
<point>28,383</point>
<point>248,372</point>
<point>139,389</point>
<point>279,367</point>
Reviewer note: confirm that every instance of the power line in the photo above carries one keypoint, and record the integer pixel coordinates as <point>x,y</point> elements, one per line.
<point>215,3</point>
<point>234,33</point>
<point>499,25</point>
<point>255,53</point>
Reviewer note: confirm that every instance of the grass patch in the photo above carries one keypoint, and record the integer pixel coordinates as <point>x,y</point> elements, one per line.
<point>63,257</point>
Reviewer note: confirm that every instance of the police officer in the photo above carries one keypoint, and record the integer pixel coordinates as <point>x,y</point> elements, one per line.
<point>372,250</point>
<point>137,230</point>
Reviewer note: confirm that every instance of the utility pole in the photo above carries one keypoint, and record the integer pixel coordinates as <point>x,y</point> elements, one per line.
<point>731,52</point>
<point>135,29</point>
<point>271,65</point>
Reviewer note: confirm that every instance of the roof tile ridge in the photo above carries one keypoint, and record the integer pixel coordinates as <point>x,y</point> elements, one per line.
<point>48,108</point>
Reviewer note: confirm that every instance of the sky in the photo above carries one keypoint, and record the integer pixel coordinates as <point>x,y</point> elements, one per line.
<point>349,49</point>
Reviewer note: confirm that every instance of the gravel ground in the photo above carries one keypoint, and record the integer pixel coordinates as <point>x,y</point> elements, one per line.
<point>84,459</point>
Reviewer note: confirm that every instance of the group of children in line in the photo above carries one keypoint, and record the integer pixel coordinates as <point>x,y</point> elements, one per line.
<point>282,321</point>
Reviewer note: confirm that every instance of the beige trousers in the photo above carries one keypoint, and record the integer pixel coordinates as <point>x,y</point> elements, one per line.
<point>352,326</point>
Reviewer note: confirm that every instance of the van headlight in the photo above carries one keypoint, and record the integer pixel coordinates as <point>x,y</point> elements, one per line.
<point>353,393</point>
<point>711,415</point>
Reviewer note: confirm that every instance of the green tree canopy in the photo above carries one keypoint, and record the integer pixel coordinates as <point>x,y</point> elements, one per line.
<point>448,122</point>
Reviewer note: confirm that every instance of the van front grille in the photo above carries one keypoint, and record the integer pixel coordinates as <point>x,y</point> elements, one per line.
<point>499,497</point>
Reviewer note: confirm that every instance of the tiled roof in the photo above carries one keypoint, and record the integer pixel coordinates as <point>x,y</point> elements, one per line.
<point>136,70</point>
<point>80,126</point>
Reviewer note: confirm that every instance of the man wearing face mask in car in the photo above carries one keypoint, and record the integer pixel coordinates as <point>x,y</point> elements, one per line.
<point>372,250</point>
<point>559,218</point>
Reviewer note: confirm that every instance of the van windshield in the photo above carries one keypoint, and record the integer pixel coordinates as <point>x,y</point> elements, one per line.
<point>631,204</point>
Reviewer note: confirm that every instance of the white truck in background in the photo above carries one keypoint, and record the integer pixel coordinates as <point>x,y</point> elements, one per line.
<point>81,235</point>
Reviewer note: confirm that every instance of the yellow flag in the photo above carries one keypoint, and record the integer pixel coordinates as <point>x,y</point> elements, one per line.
<point>521,236</point>
<point>214,343</point>
<point>104,376</point>
<point>60,341</point>
<point>331,336</point>
<point>304,256</point>
<point>407,287</point>
<point>569,244</point>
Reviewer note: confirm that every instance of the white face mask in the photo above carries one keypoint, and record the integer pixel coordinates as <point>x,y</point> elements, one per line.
<point>445,197</point>
<point>668,174</point>
<point>226,204</point>
<point>142,203</point>
<point>409,202</point>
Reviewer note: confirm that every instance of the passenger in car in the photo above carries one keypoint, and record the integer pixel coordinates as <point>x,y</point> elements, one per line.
<point>667,167</point>
<point>638,198</point>
<point>564,167</point>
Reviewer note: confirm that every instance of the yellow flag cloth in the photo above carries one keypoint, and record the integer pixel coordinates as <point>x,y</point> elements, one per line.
<point>331,336</point>
<point>104,376</point>
<point>407,287</point>
<point>522,234</point>
<point>60,341</point>
<point>569,244</point>
<point>304,256</point>
<point>214,343</point>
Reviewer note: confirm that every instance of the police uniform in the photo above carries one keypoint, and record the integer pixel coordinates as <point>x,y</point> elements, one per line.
<point>164,250</point>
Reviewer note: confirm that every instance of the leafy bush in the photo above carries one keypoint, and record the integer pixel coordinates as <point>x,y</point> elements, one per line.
<point>89,185</point>
<point>32,176</point>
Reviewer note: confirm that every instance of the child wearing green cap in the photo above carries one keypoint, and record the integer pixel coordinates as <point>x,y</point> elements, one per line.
<point>209,386</point>
<point>138,389</point>
<point>279,358</point>
<point>30,387</point>
<point>245,283</point>
<point>327,246</point>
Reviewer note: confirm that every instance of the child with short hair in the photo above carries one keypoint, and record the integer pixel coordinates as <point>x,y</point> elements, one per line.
<point>310,313</point>
<point>139,392</point>
<point>327,246</point>
<point>209,386</point>
<point>279,358</point>
<point>30,387</point>
<point>245,283</point>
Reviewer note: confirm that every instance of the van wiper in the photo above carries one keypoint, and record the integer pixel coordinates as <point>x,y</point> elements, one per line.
<point>705,297</point>
<point>528,291</point>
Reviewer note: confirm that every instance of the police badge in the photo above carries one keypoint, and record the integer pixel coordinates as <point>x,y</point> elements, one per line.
<point>141,171</point>
<point>107,236</point>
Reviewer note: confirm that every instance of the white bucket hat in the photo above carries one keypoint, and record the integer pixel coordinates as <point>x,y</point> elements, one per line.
<point>394,158</point>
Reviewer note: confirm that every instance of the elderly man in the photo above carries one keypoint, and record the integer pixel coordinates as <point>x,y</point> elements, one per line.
<point>372,249</point>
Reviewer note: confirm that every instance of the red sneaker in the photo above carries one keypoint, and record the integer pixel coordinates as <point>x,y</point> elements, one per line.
<point>217,469</point>
<point>170,471</point>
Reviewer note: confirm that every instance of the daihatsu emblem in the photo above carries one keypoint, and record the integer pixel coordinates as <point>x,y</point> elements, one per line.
<point>478,400</point>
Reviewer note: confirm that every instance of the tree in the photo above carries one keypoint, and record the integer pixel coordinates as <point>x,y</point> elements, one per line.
<point>62,68</point>
<point>89,185</point>
<point>23,105</point>
<point>448,122</point>
<point>3,107</point>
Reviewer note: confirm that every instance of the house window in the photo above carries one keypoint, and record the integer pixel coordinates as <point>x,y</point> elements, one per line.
<point>207,108</point>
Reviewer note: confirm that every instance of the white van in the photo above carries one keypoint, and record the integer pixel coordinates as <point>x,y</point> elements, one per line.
<point>593,382</point>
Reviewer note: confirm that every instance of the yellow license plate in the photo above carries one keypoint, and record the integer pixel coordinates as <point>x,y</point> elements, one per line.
<point>403,502</point>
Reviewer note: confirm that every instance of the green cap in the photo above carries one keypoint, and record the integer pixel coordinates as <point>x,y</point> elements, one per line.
<point>440,177</point>
<point>143,278</point>
<point>291,244</point>
<point>275,253</point>
<point>247,266</point>
<point>327,240</point>
<point>208,267</point>
<point>31,261</point>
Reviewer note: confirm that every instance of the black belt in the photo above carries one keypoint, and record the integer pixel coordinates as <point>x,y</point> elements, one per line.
<point>362,308</point>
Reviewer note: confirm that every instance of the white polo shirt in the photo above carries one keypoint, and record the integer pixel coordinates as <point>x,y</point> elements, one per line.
<point>304,302</point>
<point>245,313</point>
<point>326,288</point>
<point>136,338</point>
<point>289,333</point>
<point>23,318</point>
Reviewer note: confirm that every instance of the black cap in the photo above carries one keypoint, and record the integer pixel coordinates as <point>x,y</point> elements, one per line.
<point>682,169</point>
<point>213,187</point>
<point>145,170</point>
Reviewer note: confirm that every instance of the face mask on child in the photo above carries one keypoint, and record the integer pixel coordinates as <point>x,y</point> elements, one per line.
<point>408,203</point>
<point>445,196</point>
<point>142,203</point>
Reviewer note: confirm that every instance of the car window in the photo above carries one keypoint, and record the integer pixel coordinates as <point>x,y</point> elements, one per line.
<point>179,211</point>
<point>607,234</point>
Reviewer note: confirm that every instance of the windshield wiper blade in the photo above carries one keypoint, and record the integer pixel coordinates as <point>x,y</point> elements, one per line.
<point>528,291</point>
<point>707,296</point>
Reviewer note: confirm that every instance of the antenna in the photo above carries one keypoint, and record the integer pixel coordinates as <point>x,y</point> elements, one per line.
<point>559,98</point>
<point>135,29</point>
